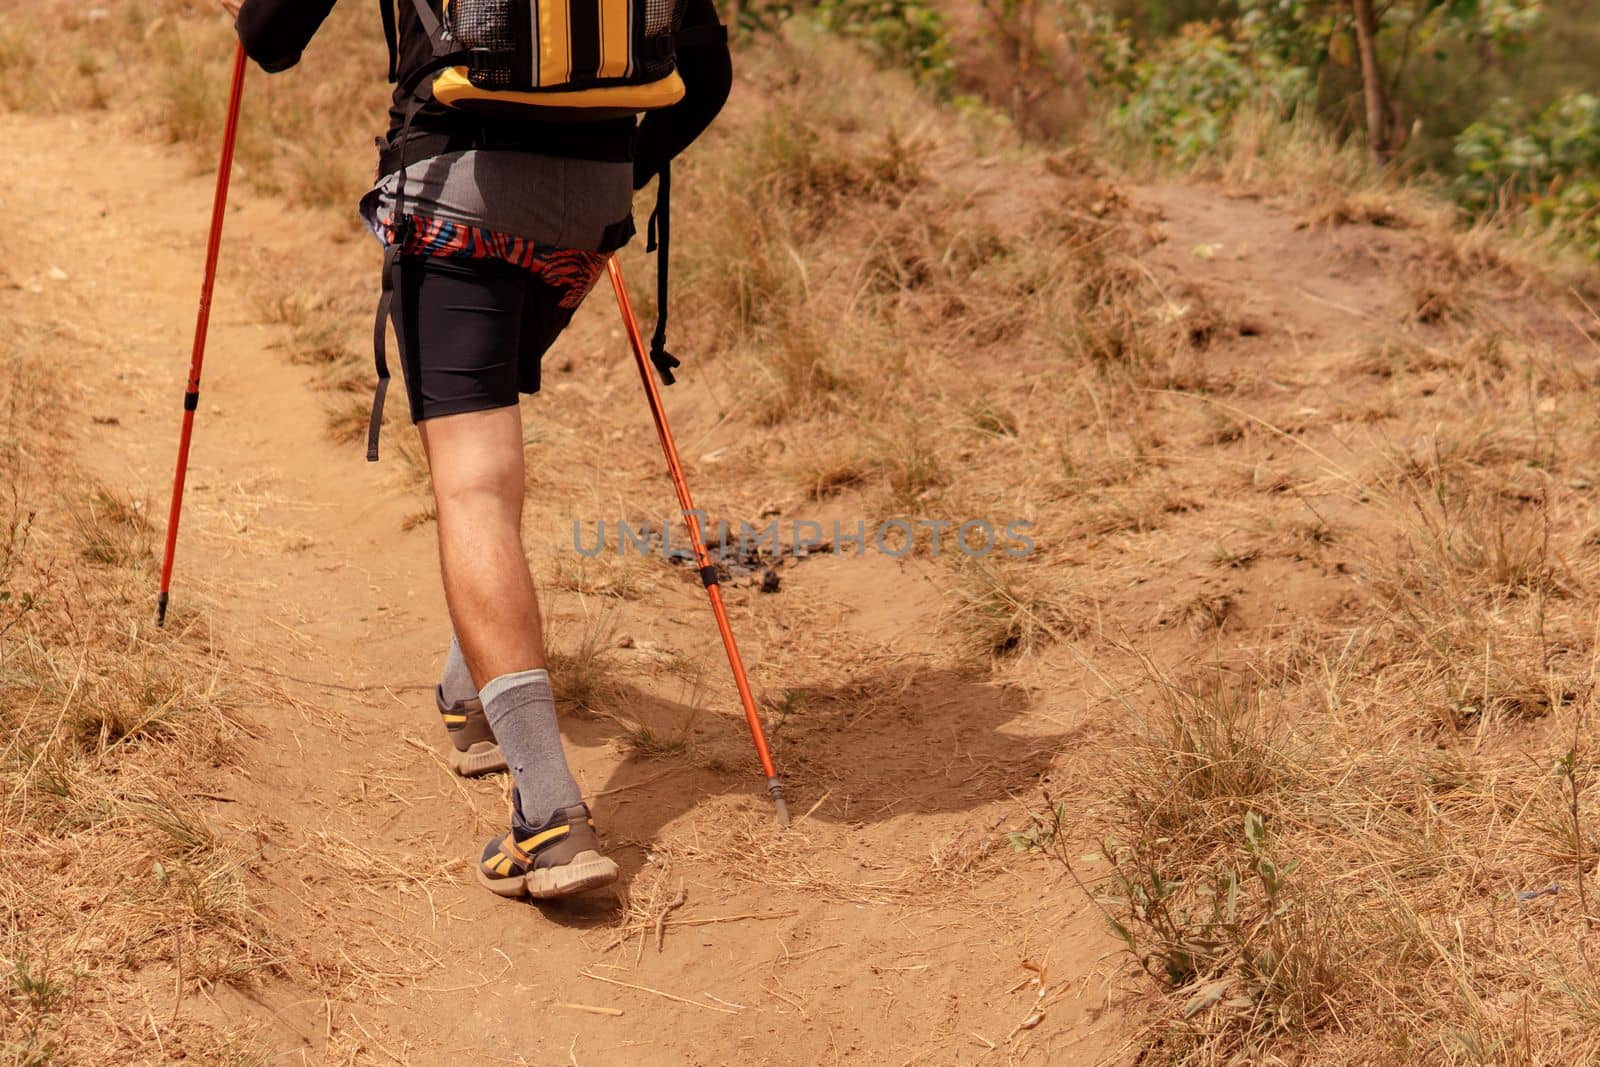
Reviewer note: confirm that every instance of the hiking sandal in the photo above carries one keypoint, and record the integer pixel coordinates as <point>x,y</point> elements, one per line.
<point>554,860</point>
<point>475,750</point>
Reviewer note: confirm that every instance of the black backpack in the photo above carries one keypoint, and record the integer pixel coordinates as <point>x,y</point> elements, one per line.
<point>571,60</point>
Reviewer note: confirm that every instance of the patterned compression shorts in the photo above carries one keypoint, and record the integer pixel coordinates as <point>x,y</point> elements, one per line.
<point>478,311</point>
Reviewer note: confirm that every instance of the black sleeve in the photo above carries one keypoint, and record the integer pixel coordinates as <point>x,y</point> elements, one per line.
<point>275,32</point>
<point>707,72</point>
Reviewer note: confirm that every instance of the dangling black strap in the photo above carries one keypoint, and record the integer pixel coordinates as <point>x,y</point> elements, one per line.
<point>659,240</point>
<point>401,225</point>
<point>380,341</point>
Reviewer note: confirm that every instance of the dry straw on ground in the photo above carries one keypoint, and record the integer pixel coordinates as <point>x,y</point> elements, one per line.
<point>119,898</point>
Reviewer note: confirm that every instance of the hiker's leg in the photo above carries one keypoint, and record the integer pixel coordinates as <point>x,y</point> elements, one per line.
<point>476,462</point>
<point>466,362</point>
<point>474,746</point>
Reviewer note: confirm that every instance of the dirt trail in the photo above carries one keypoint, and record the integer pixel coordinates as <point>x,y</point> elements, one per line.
<point>886,928</point>
<point>892,925</point>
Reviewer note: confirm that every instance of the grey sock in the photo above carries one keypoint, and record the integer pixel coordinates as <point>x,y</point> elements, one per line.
<point>522,713</point>
<point>456,683</point>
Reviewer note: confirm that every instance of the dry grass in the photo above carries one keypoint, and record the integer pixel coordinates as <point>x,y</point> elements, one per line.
<point>582,669</point>
<point>1337,886</point>
<point>170,59</point>
<point>1331,182</point>
<point>112,872</point>
<point>872,272</point>
<point>324,321</point>
<point>606,574</point>
<point>1001,611</point>
<point>1332,844</point>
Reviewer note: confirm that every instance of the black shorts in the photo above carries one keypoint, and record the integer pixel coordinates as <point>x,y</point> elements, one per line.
<point>474,332</point>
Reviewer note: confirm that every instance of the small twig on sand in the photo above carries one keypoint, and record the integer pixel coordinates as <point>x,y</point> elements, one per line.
<point>661,920</point>
<point>788,999</point>
<point>709,920</point>
<point>450,776</point>
<point>1033,1019</point>
<point>812,810</point>
<point>177,1000</point>
<point>634,785</point>
<point>657,992</point>
<point>592,1009</point>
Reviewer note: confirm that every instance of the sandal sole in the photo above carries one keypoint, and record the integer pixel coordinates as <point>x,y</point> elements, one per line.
<point>482,758</point>
<point>587,870</point>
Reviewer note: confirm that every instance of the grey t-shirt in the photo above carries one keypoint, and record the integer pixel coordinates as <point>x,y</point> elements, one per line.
<point>550,200</point>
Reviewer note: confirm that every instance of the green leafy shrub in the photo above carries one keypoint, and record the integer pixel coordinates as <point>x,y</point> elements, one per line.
<point>908,34</point>
<point>1548,165</point>
<point>1181,97</point>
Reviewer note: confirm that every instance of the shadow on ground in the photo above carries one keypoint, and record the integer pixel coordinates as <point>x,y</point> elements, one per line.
<point>911,742</point>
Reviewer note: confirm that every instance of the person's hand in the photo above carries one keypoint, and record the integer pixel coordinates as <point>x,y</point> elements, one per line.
<point>231,7</point>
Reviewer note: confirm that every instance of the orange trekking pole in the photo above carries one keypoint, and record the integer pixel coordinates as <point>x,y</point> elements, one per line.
<point>191,393</point>
<point>708,569</point>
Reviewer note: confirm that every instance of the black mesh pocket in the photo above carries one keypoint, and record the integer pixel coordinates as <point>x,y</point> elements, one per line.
<point>488,26</point>
<point>661,18</point>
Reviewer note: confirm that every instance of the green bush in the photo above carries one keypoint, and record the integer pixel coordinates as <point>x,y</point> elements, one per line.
<point>1181,97</point>
<point>1548,165</point>
<point>908,34</point>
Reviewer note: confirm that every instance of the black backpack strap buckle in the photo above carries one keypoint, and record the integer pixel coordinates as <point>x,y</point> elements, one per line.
<point>658,239</point>
<point>664,361</point>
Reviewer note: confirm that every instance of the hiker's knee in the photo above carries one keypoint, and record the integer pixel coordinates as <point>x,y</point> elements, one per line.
<point>477,476</point>
<point>479,497</point>
<point>476,461</point>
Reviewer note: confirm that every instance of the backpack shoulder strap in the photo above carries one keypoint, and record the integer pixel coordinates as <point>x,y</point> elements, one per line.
<point>430,25</point>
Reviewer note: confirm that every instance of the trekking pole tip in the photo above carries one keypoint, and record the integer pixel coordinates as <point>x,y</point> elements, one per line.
<point>161,608</point>
<point>775,788</point>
